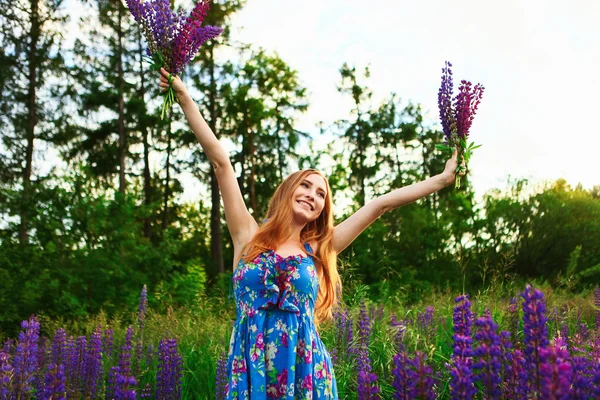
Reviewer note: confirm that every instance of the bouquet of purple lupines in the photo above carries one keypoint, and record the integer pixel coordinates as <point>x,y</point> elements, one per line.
<point>173,40</point>
<point>456,115</point>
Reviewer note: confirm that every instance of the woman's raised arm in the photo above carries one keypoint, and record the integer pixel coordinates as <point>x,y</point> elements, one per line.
<point>348,230</point>
<point>240,223</point>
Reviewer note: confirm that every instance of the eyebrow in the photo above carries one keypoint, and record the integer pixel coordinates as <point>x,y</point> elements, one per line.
<point>310,183</point>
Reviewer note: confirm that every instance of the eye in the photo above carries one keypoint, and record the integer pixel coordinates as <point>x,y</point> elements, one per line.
<point>304,184</point>
<point>322,194</point>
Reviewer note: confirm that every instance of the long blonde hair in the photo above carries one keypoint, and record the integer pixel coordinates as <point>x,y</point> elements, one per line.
<point>277,228</point>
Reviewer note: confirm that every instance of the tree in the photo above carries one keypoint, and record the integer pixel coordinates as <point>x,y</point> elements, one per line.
<point>32,60</point>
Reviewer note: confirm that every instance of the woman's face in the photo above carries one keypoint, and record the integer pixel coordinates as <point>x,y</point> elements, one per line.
<point>309,197</point>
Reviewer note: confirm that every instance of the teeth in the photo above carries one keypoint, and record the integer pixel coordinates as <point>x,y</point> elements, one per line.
<point>305,204</point>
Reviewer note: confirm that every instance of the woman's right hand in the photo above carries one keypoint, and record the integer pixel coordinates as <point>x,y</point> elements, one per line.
<point>178,86</point>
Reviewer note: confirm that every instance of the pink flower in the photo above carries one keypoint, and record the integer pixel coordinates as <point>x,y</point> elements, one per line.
<point>307,383</point>
<point>284,339</point>
<point>260,343</point>
<point>282,378</point>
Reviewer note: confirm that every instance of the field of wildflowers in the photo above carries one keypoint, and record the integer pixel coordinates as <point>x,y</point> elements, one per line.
<point>480,347</point>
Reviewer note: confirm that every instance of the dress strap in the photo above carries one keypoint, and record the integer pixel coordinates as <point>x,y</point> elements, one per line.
<point>308,248</point>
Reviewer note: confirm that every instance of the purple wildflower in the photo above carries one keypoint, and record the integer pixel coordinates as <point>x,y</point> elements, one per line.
<point>461,383</point>
<point>25,361</point>
<point>514,380</point>
<point>367,381</point>
<point>147,392</point>
<point>107,342</point>
<point>93,366</point>
<point>535,335</point>
<point>59,347</point>
<point>143,307</point>
<point>125,389</point>
<point>6,374</point>
<point>513,320</point>
<point>445,101</point>
<point>466,104</point>
<point>54,383</point>
<point>400,327</point>
<point>221,376</point>
<point>597,304</point>
<point>413,378</point>
<point>582,368</point>
<point>169,374</point>
<point>556,372</point>
<point>487,355</point>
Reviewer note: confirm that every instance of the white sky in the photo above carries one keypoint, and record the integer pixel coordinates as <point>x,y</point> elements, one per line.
<point>538,60</point>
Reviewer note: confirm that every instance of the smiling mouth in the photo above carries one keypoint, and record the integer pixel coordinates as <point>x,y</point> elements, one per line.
<point>303,203</point>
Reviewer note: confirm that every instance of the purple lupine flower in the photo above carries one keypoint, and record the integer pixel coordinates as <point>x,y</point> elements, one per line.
<point>400,327</point>
<point>461,383</point>
<point>59,347</point>
<point>139,349</point>
<point>25,361</point>
<point>445,101</point>
<point>125,389</point>
<point>173,40</point>
<point>6,374</point>
<point>424,387</point>
<point>405,379</point>
<point>111,384</point>
<point>107,342</point>
<point>487,355</point>
<point>556,371</point>
<point>125,355</point>
<point>364,326</point>
<point>142,308</point>
<point>169,373</point>
<point>413,378</point>
<point>513,320</point>
<point>149,354</point>
<point>343,326</point>
<point>456,115</point>
<point>221,376</point>
<point>38,379</point>
<point>535,334</point>
<point>596,379</point>
<point>514,380</point>
<point>9,346</point>
<point>54,383</point>
<point>425,323</point>
<point>146,392</point>
<point>93,366</point>
<point>367,386</point>
<point>582,368</point>
<point>597,304</point>
<point>466,104</point>
<point>367,380</point>
<point>70,365</point>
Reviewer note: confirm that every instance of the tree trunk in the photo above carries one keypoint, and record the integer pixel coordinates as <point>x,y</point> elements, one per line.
<point>216,235</point>
<point>121,120</point>
<point>147,177</point>
<point>32,121</point>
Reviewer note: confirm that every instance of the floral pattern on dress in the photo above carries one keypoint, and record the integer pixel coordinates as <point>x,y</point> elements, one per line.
<point>275,351</point>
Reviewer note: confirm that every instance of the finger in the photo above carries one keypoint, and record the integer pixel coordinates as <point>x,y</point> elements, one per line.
<point>455,154</point>
<point>164,72</point>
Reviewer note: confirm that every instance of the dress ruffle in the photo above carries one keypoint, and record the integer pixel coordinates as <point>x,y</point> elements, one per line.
<point>277,276</point>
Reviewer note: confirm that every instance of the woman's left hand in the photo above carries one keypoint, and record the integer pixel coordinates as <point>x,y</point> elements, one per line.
<point>449,173</point>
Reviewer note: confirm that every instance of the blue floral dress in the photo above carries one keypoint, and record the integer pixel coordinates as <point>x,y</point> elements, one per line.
<point>275,351</point>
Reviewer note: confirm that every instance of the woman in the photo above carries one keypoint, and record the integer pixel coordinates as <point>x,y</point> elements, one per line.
<point>285,274</point>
